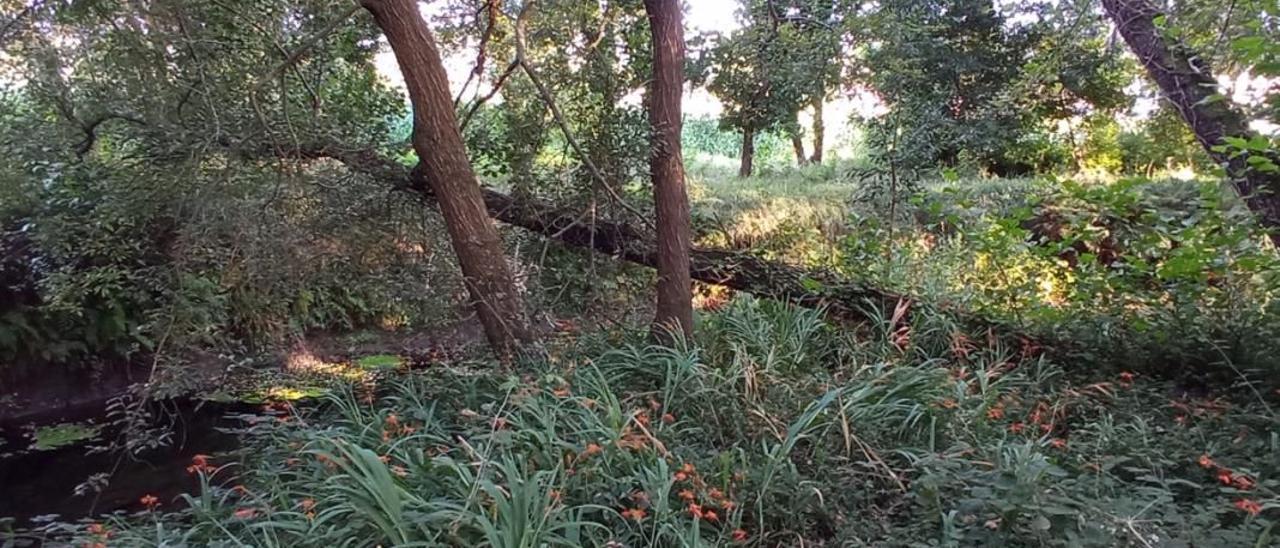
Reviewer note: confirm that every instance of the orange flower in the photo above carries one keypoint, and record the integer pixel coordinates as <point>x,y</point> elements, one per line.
<point>399,471</point>
<point>1225,477</point>
<point>1058,443</point>
<point>562,392</point>
<point>949,403</point>
<point>686,495</point>
<point>1243,483</point>
<point>393,421</point>
<point>688,468</point>
<point>245,513</point>
<point>728,505</point>
<point>1206,462</point>
<point>150,501</point>
<point>715,493</point>
<point>739,535</point>
<point>499,423</point>
<point>556,495</point>
<point>307,504</point>
<point>710,515</point>
<point>1249,505</point>
<point>695,510</point>
<point>96,529</point>
<point>995,413</point>
<point>668,418</point>
<point>681,476</point>
<point>1017,427</point>
<point>636,514</point>
<point>199,463</point>
<point>592,449</point>
<point>640,497</point>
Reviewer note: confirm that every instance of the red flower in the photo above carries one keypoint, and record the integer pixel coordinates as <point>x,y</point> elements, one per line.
<point>1206,462</point>
<point>199,464</point>
<point>150,501</point>
<point>686,495</point>
<point>739,535</point>
<point>1243,483</point>
<point>695,510</point>
<point>681,476</point>
<point>1058,443</point>
<point>1126,378</point>
<point>1225,477</point>
<point>634,513</point>
<point>245,513</point>
<point>1249,505</point>
<point>710,515</point>
<point>668,418</point>
<point>1017,427</point>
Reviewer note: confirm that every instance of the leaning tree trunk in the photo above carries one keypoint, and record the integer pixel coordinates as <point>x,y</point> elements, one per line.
<point>1188,83</point>
<point>797,142</point>
<point>448,173</point>
<point>747,164</point>
<point>819,130</point>
<point>666,165</point>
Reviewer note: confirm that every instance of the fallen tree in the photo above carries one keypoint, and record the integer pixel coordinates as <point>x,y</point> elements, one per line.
<point>736,270</point>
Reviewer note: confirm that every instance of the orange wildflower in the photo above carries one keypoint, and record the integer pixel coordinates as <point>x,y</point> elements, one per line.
<point>245,513</point>
<point>995,413</point>
<point>728,505</point>
<point>307,504</point>
<point>695,510</point>
<point>399,471</point>
<point>688,468</point>
<point>686,495</point>
<point>150,501</point>
<point>1249,505</point>
<point>681,476</point>
<point>1225,477</point>
<point>562,392</point>
<point>1017,427</point>
<point>1206,462</point>
<point>1058,443</point>
<point>668,418</point>
<point>592,449</point>
<point>715,493</point>
<point>199,463</point>
<point>1243,483</point>
<point>636,514</point>
<point>710,515</point>
<point>499,423</point>
<point>949,403</point>
<point>96,529</point>
<point>739,535</point>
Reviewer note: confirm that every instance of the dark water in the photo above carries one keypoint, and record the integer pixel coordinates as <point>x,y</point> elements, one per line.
<point>37,483</point>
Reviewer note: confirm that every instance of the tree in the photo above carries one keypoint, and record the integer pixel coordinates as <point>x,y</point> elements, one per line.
<point>1188,83</point>
<point>449,175</point>
<point>671,202</point>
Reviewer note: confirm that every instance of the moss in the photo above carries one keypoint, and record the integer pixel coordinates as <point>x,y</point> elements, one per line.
<point>380,361</point>
<point>61,435</point>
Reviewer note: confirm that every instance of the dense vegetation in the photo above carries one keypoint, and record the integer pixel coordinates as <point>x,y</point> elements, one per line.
<point>1026,284</point>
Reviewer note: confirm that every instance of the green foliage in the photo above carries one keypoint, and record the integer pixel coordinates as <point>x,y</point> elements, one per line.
<point>935,438</point>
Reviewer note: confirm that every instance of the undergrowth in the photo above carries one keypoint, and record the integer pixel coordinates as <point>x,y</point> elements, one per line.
<point>771,428</point>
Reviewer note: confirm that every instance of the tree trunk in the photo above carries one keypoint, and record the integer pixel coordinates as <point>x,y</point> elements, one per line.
<point>1189,85</point>
<point>797,144</point>
<point>448,173</point>
<point>666,166</point>
<point>748,153</point>
<point>819,130</point>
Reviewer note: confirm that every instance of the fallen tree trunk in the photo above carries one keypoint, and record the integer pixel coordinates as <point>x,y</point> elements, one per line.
<point>733,269</point>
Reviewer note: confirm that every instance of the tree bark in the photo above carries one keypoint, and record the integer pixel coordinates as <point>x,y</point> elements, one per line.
<point>447,172</point>
<point>666,166</point>
<point>1189,84</point>
<point>747,165</point>
<point>797,145</point>
<point>819,130</point>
